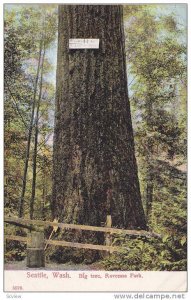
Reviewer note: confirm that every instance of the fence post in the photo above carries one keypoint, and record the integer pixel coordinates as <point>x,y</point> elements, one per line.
<point>35,250</point>
<point>108,237</point>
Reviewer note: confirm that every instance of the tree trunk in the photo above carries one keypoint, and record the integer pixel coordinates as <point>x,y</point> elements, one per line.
<point>32,200</point>
<point>94,166</point>
<point>149,193</point>
<point>149,157</point>
<point>44,192</point>
<point>21,204</point>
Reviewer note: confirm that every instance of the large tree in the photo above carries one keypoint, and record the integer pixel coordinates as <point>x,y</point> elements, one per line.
<point>94,165</point>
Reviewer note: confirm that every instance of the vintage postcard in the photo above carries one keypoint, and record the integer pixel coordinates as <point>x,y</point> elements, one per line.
<point>95,144</point>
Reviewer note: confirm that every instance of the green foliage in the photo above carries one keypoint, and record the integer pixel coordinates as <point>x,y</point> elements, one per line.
<point>14,250</point>
<point>146,254</point>
<point>156,55</point>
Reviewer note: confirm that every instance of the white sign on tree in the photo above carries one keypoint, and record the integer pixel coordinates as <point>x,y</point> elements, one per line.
<point>83,43</point>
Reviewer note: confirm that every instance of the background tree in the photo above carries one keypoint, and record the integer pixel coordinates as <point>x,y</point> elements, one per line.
<point>17,106</point>
<point>28,101</point>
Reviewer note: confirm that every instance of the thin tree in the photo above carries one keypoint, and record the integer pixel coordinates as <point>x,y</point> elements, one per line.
<point>36,127</point>
<point>30,129</point>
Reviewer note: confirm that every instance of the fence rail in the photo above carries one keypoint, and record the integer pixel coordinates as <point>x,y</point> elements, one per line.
<point>81,227</point>
<point>66,244</point>
<point>22,239</point>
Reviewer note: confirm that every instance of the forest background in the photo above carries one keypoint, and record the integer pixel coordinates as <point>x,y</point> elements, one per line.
<point>157,80</point>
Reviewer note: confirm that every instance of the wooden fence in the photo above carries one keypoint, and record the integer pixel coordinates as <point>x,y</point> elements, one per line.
<point>35,254</point>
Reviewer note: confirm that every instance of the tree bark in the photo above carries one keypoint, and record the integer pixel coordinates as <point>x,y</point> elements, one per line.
<point>94,166</point>
<point>149,193</point>
<point>44,192</point>
<point>149,143</point>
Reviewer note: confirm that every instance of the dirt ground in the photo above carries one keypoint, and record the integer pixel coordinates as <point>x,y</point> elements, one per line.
<point>21,265</point>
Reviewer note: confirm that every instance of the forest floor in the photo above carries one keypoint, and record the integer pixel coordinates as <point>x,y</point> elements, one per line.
<point>21,265</point>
